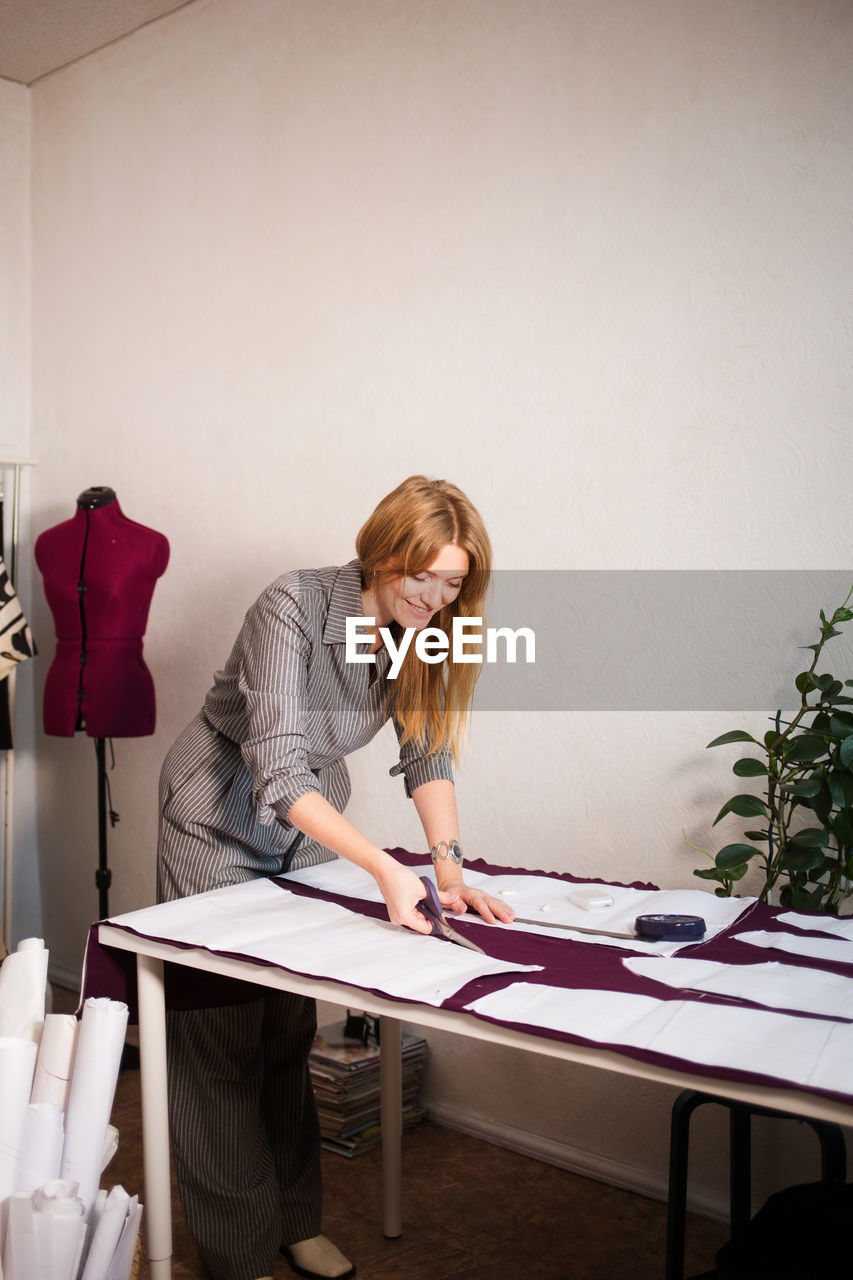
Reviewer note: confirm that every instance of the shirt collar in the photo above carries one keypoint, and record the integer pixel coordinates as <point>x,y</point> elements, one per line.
<point>345,602</point>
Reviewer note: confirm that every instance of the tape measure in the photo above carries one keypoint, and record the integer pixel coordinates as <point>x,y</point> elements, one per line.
<point>669,928</point>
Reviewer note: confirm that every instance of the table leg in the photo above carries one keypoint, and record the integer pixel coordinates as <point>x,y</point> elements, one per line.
<point>155,1116</point>
<point>391,1094</point>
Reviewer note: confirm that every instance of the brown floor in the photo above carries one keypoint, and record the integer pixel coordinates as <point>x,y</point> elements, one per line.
<point>471,1211</point>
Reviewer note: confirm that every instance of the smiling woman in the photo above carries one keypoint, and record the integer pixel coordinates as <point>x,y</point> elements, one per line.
<point>257,784</point>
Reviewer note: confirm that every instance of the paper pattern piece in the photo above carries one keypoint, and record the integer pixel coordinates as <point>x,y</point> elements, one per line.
<point>778,986</point>
<point>96,1068</point>
<point>836,949</point>
<point>23,982</point>
<point>803,1051</point>
<point>55,1062</point>
<point>839,926</point>
<point>529,894</point>
<point>261,921</point>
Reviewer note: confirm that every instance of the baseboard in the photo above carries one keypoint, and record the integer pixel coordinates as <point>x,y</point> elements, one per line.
<point>68,979</point>
<point>588,1164</point>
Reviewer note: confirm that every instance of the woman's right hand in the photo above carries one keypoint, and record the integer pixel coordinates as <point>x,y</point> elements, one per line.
<point>402,891</point>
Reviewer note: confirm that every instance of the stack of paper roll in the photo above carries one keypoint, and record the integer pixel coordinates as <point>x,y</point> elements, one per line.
<point>57,1082</point>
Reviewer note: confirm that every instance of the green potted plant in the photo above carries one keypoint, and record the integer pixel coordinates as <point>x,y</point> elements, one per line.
<point>803,835</point>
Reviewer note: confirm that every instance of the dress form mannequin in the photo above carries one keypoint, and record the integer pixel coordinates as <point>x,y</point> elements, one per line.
<point>100,570</point>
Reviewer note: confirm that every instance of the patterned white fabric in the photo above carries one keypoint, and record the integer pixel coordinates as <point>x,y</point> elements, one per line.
<point>16,641</point>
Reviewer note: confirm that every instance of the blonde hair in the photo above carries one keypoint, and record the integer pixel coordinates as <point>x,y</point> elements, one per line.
<point>403,536</point>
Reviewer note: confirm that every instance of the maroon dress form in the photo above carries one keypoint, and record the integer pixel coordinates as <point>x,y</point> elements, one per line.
<point>99,571</point>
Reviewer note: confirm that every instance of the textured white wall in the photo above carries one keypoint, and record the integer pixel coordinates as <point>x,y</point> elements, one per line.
<point>588,260</point>
<point>15,246</point>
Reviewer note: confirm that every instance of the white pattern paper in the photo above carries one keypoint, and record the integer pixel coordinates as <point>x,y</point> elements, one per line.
<point>778,986</point>
<point>836,949</point>
<point>802,1051</point>
<point>839,926</point>
<point>258,920</point>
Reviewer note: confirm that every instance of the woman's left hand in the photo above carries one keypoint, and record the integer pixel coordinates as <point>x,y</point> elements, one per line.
<point>456,896</point>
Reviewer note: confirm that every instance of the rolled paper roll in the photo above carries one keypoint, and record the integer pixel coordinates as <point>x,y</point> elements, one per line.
<point>60,1228</point>
<point>23,982</point>
<point>60,1197</point>
<point>93,1083</point>
<point>20,1256</point>
<point>121,1267</point>
<point>17,1064</point>
<point>106,1235</point>
<point>55,1062</point>
<point>41,1144</point>
<point>110,1145</point>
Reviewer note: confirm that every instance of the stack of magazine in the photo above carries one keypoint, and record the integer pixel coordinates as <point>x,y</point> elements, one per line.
<point>345,1076</point>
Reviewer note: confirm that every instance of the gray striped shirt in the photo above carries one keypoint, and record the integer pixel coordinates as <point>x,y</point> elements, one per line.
<point>294,704</point>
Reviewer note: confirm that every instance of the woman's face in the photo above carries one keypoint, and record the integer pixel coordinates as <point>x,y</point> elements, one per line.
<point>412,601</point>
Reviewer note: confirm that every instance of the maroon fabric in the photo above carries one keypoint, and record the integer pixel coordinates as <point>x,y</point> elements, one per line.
<point>564,963</point>
<point>98,679</point>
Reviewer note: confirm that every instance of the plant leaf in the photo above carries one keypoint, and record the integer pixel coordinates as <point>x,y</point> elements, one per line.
<point>841,826</point>
<point>745,807</point>
<point>841,787</point>
<point>801,900</point>
<point>845,753</point>
<point>734,735</point>
<point>805,680</point>
<point>809,787</point>
<point>811,837</point>
<point>749,768</point>
<point>841,724</point>
<point>794,858</point>
<point>710,873</point>
<point>735,855</point>
<point>808,746</point>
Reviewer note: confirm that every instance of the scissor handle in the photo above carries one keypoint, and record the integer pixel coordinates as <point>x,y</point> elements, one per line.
<point>430,907</point>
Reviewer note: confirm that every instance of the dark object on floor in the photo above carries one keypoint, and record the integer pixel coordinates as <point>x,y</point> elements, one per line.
<point>833,1170</point>
<point>800,1232</point>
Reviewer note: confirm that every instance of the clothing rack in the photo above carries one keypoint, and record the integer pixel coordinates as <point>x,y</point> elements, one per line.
<point>10,467</point>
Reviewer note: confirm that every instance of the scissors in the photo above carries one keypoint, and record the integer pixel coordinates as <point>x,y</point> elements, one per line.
<point>430,907</point>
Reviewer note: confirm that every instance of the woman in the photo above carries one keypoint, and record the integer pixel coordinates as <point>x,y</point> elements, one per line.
<point>256,785</point>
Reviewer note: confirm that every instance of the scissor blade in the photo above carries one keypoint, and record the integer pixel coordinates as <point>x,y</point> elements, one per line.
<point>430,906</point>
<point>452,936</point>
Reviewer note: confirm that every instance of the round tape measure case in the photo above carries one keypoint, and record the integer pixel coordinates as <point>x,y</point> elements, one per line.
<point>669,928</point>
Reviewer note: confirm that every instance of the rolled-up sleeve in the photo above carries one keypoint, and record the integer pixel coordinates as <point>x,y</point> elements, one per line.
<point>418,766</point>
<point>272,680</point>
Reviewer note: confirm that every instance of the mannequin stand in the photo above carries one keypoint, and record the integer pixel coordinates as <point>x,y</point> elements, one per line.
<point>103,875</point>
